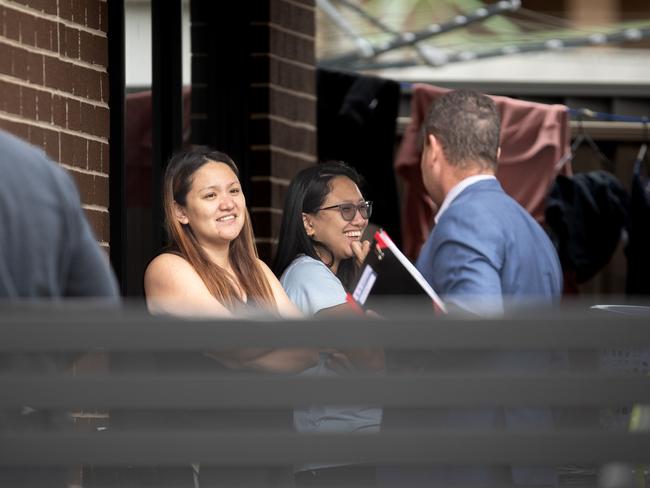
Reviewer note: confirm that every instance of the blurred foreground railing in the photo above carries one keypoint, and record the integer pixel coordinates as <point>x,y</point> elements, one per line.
<point>169,405</point>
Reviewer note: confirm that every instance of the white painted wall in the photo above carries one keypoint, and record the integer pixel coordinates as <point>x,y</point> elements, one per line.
<point>137,27</point>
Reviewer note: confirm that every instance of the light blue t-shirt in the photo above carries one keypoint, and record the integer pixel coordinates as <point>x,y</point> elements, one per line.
<point>312,286</point>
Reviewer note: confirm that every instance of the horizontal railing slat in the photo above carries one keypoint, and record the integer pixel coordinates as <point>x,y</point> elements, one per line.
<point>143,333</point>
<point>267,448</point>
<point>234,391</point>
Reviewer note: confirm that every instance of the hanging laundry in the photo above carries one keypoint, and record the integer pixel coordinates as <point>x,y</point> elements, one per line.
<point>138,157</point>
<point>357,118</point>
<point>638,248</point>
<point>534,139</point>
<point>586,215</point>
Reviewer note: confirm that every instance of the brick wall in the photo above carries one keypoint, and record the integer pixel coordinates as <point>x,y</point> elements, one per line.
<point>54,90</point>
<point>263,112</point>
<point>283,110</point>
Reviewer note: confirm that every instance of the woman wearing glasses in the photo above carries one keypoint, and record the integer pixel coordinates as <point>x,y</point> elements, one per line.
<point>319,252</point>
<point>320,246</point>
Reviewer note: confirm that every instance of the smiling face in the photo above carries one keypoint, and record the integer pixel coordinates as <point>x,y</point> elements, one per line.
<point>328,226</point>
<point>215,207</point>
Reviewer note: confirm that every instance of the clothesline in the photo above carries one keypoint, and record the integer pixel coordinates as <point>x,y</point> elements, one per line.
<point>581,113</point>
<point>439,57</point>
<point>366,51</point>
<point>365,54</point>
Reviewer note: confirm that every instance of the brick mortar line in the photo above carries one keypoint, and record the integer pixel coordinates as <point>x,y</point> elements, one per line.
<point>94,208</point>
<point>300,5</point>
<point>285,121</point>
<point>53,127</point>
<point>285,60</point>
<point>51,54</point>
<point>272,179</point>
<point>273,210</point>
<point>52,91</point>
<point>288,91</point>
<point>270,147</point>
<point>84,171</point>
<point>280,28</point>
<point>41,15</point>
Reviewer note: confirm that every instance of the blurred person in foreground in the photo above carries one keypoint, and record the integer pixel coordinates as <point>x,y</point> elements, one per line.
<point>485,252</point>
<point>47,253</point>
<point>47,249</point>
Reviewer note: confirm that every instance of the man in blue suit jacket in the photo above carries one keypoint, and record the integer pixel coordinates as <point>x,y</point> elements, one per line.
<point>485,253</point>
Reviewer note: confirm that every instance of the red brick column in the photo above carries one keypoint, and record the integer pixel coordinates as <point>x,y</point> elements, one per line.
<point>54,90</point>
<point>283,110</point>
<point>254,97</point>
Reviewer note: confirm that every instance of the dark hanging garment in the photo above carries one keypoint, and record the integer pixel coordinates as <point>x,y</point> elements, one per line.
<point>357,119</point>
<point>586,215</point>
<point>638,248</point>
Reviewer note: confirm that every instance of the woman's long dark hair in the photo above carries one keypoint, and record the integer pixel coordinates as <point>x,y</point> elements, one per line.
<point>307,193</point>
<point>242,253</point>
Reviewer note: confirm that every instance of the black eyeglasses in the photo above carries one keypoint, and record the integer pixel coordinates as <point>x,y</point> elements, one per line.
<point>349,210</point>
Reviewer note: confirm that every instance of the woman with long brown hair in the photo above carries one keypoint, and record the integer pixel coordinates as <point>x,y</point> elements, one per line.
<point>211,266</point>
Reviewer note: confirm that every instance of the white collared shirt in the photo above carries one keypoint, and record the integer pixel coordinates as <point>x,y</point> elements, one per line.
<point>457,190</point>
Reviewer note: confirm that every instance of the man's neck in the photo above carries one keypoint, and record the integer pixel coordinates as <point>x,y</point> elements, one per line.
<point>459,186</point>
<point>456,175</point>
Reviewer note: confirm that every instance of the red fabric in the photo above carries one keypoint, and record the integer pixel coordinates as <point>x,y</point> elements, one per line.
<point>138,150</point>
<point>534,139</point>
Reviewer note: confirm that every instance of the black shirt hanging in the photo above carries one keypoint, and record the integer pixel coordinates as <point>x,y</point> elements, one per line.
<point>357,118</point>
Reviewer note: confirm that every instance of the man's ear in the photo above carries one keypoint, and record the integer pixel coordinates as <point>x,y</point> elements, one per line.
<point>181,216</point>
<point>436,147</point>
<point>307,223</point>
<point>431,148</point>
<point>498,153</point>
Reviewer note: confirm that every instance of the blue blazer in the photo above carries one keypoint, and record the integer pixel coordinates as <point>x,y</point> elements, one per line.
<point>486,250</point>
<point>487,253</point>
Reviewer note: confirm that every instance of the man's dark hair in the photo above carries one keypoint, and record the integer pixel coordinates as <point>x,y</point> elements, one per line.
<point>467,125</point>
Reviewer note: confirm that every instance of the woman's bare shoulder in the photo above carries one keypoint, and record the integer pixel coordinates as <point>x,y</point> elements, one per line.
<point>168,268</point>
<point>169,260</point>
<point>173,286</point>
<point>264,266</point>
